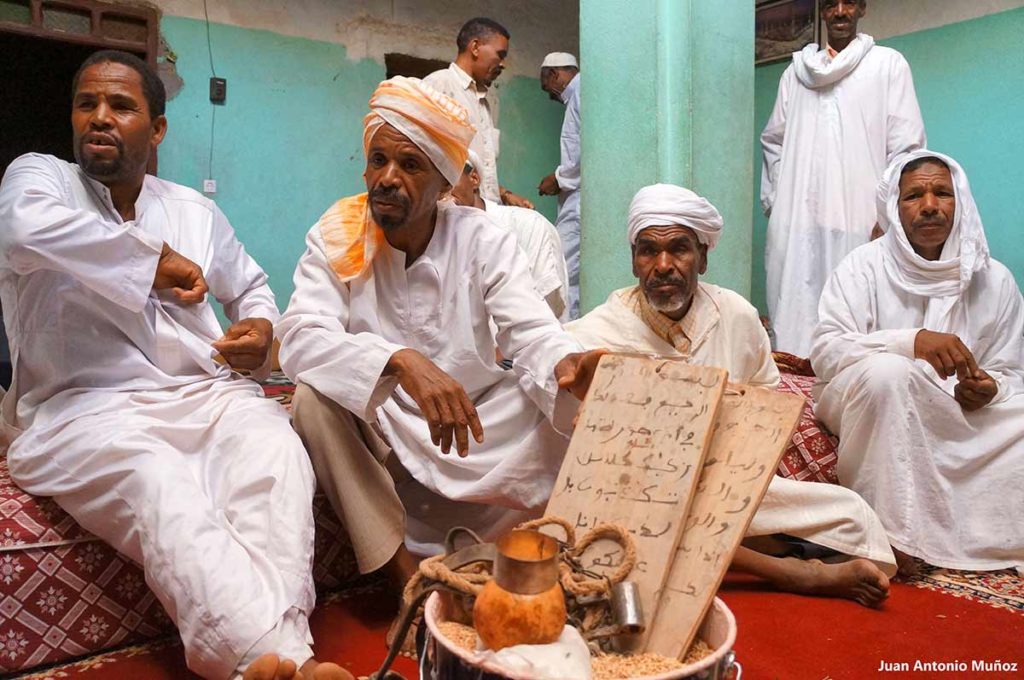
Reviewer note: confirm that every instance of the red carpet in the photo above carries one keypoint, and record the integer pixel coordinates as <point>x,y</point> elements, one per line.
<point>780,636</point>
<point>794,637</point>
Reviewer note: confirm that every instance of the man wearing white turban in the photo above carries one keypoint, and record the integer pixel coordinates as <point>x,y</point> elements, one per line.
<point>671,313</point>
<point>921,342</point>
<point>388,335</point>
<point>536,237</point>
<point>842,114</point>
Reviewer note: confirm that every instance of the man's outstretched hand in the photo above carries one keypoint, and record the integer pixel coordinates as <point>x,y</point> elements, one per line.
<point>183,276</point>
<point>514,199</point>
<point>576,371</point>
<point>245,344</point>
<point>442,400</point>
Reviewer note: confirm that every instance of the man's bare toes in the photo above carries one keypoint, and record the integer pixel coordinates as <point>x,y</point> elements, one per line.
<point>331,671</point>
<point>271,667</point>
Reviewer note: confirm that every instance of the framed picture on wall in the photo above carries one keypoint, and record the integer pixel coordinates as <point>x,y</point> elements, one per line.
<point>782,27</point>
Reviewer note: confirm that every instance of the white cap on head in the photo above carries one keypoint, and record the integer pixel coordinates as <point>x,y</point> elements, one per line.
<point>662,205</point>
<point>474,161</point>
<point>556,59</point>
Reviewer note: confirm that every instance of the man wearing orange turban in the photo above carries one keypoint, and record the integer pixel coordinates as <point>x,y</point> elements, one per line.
<point>389,337</point>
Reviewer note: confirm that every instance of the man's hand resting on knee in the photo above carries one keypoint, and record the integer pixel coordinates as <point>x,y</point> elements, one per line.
<point>973,393</point>
<point>183,276</point>
<point>949,356</point>
<point>444,403</point>
<point>245,345</point>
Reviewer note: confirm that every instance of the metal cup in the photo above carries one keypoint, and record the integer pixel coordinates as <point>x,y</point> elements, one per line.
<point>526,562</point>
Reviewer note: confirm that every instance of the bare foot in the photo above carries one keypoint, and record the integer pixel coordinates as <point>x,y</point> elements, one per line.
<point>271,667</point>
<point>401,567</point>
<point>906,566</point>
<point>315,670</point>
<point>858,580</point>
<point>409,643</point>
<point>400,570</point>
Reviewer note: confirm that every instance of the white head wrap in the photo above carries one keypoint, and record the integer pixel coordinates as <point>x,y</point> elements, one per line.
<point>661,205</point>
<point>556,59</point>
<point>474,161</point>
<point>942,281</point>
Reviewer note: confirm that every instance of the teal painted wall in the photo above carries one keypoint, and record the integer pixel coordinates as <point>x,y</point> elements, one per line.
<point>288,142</point>
<point>666,96</point>
<point>970,84</point>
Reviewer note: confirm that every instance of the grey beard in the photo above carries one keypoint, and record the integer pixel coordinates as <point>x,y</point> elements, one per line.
<point>673,304</point>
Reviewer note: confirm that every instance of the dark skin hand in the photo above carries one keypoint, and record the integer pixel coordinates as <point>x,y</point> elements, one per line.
<point>548,186</point>
<point>446,406</point>
<point>576,371</point>
<point>245,345</point>
<point>181,275</point>
<point>442,400</point>
<point>974,393</point>
<point>949,356</point>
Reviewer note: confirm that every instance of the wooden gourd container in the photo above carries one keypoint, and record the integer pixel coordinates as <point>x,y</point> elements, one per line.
<point>523,604</point>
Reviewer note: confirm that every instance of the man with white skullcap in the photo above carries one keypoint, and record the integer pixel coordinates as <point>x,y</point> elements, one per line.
<point>671,313</point>
<point>536,237</point>
<point>921,341</point>
<point>560,78</point>
<point>389,337</point>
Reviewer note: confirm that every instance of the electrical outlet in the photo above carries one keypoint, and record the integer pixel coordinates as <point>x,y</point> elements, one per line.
<point>209,186</point>
<point>218,90</point>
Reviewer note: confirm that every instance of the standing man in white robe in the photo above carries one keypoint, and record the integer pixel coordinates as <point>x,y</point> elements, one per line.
<point>536,237</point>
<point>672,313</point>
<point>921,341</point>
<point>560,78</point>
<point>388,335</point>
<point>118,410</point>
<point>483,48</point>
<point>841,115</point>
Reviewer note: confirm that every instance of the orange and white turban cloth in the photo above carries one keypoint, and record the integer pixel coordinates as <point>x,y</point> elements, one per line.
<point>435,123</point>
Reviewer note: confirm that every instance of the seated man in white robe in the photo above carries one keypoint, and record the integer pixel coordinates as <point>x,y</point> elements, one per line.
<point>921,342</point>
<point>118,410</point>
<point>388,337</point>
<point>672,313</point>
<point>537,238</point>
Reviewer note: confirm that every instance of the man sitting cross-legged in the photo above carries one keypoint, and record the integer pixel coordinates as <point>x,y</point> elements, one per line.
<point>389,337</point>
<point>118,409</point>
<point>671,313</point>
<point>921,341</point>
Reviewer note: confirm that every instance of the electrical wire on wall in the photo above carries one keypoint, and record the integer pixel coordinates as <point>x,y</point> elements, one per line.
<point>213,106</point>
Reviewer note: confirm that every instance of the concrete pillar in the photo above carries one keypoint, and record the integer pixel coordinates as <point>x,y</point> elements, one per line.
<point>667,95</point>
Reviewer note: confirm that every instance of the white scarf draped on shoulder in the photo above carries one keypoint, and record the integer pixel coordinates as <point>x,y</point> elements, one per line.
<point>815,69</point>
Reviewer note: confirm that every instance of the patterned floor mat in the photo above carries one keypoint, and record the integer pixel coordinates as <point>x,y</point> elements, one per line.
<point>1002,589</point>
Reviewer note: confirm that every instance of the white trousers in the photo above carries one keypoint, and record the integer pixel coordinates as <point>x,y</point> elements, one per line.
<point>210,491</point>
<point>947,484</point>
<point>568,227</point>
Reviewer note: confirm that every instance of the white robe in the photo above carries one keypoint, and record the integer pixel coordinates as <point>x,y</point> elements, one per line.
<point>119,412</point>
<point>825,149</point>
<point>946,483</point>
<point>727,333</point>
<point>337,338</point>
<point>540,242</point>
<point>568,176</point>
<point>482,105</point>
